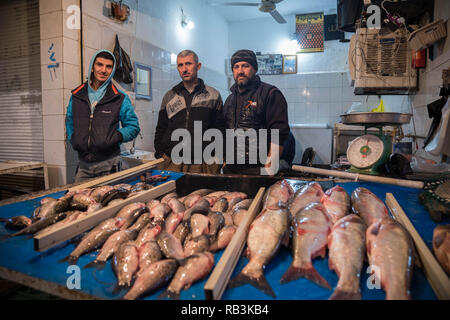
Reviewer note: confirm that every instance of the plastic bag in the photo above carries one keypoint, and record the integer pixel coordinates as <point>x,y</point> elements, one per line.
<point>419,164</point>
<point>358,107</point>
<point>124,67</point>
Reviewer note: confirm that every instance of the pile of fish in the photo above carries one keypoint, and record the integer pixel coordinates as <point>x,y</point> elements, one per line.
<point>441,246</point>
<point>166,241</point>
<point>53,213</point>
<point>312,221</point>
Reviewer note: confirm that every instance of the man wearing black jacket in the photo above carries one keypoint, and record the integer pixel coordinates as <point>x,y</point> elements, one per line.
<point>188,102</point>
<point>257,105</point>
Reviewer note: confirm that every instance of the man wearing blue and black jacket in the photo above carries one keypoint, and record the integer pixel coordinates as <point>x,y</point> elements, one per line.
<point>92,121</point>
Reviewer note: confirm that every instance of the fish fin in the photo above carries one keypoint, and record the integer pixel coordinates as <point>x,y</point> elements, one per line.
<point>294,273</point>
<point>169,294</point>
<point>117,289</point>
<point>70,259</point>
<point>95,264</point>
<point>339,294</point>
<point>259,283</point>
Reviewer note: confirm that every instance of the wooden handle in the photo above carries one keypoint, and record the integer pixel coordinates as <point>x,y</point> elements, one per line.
<point>217,282</point>
<point>433,271</point>
<point>363,177</point>
<point>51,238</point>
<point>118,175</point>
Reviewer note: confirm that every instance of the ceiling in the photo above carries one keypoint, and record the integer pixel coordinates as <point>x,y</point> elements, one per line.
<point>285,7</point>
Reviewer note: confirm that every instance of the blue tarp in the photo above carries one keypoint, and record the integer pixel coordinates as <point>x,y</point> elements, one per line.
<point>18,254</point>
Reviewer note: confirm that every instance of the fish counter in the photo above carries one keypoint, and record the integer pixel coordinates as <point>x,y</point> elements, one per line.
<point>53,271</point>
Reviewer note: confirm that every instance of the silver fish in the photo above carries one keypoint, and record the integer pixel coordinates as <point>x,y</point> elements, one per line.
<point>347,248</point>
<point>196,245</point>
<point>160,211</point>
<point>309,193</point>
<point>143,220</point>
<point>126,263</point>
<point>441,246</point>
<point>368,206</point>
<point>149,232</point>
<point>170,245</point>
<point>279,194</point>
<point>128,214</point>
<point>223,238</point>
<point>337,202</point>
<point>199,224</point>
<point>151,278</point>
<point>265,235</point>
<point>149,253</point>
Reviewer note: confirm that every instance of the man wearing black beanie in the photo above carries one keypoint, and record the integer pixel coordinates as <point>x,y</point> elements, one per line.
<point>257,105</point>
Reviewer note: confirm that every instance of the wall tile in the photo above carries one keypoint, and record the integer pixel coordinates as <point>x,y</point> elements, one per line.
<point>47,6</point>
<point>54,127</point>
<point>52,102</point>
<point>54,152</point>
<point>72,76</point>
<point>52,78</point>
<point>51,25</point>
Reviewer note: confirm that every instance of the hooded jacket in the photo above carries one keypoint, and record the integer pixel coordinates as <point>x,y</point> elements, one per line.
<point>94,116</point>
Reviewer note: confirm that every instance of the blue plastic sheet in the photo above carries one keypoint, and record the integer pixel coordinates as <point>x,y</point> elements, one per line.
<point>18,254</point>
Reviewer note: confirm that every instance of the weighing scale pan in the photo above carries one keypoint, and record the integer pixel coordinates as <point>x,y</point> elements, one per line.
<point>386,118</point>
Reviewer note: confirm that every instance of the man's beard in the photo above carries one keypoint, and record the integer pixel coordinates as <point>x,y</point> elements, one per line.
<point>243,83</point>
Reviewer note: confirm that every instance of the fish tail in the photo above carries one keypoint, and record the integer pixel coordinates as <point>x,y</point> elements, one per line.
<point>169,294</point>
<point>259,283</point>
<point>308,272</point>
<point>70,259</point>
<point>340,294</point>
<point>95,264</point>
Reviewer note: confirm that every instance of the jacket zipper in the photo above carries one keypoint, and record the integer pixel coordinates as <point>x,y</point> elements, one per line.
<point>91,117</point>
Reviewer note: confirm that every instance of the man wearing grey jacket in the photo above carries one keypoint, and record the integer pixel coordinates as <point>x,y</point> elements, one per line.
<point>188,102</point>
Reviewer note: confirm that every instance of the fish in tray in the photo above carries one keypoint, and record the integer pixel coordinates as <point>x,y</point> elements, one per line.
<point>111,246</point>
<point>223,238</point>
<point>309,193</point>
<point>125,264</point>
<point>269,229</point>
<point>129,213</point>
<point>93,240</point>
<point>337,202</point>
<point>441,246</point>
<point>347,249</point>
<point>18,222</point>
<point>309,240</point>
<point>149,253</point>
<point>368,206</point>
<point>391,257</point>
<point>151,278</point>
<point>279,194</point>
<point>195,268</point>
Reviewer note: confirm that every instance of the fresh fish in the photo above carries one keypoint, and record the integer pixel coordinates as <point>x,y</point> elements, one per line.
<point>125,186</point>
<point>441,246</point>
<point>51,208</point>
<point>94,239</point>
<point>220,205</point>
<point>347,249</point>
<point>69,217</point>
<point>47,200</point>
<point>368,206</point>
<point>223,238</point>
<point>152,203</point>
<point>160,211</point>
<point>309,193</point>
<point>190,200</point>
<point>199,224</point>
<point>244,204</point>
<point>217,222</point>
<point>150,232</point>
<point>140,186</point>
<point>42,223</point>
<point>129,213</point>
<point>230,196</point>
<point>114,202</point>
<point>18,222</point>
<point>235,201</point>
<point>337,202</point>
<point>196,245</point>
<point>238,216</point>
<point>94,207</point>
<point>111,246</point>
<point>390,251</point>
<point>202,192</point>
<point>82,201</point>
<point>99,192</point>
<point>182,231</point>
<point>151,278</point>
<point>202,206</point>
<point>115,193</point>
<point>176,205</point>
<point>169,196</point>
<point>228,218</point>
<point>194,269</point>
<point>125,263</point>
<point>265,235</point>
<point>170,245</point>
<point>173,220</point>
<point>309,240</point>
<point>278,195</point>
<point>141,222</point>
<point>149,253</point>
<point>212,198</point>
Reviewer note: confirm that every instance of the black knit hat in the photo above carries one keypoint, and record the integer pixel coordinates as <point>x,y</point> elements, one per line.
<point>245,55</point>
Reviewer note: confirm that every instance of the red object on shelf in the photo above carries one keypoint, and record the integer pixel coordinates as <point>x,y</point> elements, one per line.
<point>419,59</point>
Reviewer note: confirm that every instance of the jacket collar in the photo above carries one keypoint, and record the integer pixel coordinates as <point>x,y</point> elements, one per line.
<point>82,92</point>
<point>251,85</point>
<point>198,88</point>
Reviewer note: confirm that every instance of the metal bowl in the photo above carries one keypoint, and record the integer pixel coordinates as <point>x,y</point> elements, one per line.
<point>386,118</point>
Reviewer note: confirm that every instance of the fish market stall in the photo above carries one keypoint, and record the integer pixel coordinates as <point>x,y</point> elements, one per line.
<point>46,270</point>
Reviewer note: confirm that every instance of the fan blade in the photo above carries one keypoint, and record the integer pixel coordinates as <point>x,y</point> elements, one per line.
<point>244,4</point>
<point>277,16</point>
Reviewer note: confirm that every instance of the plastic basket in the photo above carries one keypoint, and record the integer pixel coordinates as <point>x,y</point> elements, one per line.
<point>427,35</point>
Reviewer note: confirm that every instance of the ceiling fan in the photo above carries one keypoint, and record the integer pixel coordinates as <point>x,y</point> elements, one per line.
<point>268,6</point>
